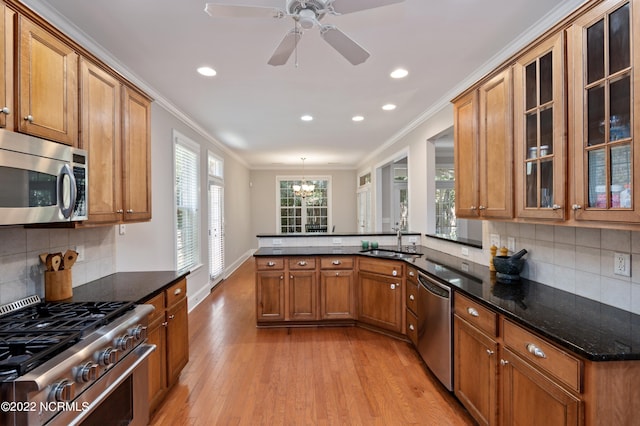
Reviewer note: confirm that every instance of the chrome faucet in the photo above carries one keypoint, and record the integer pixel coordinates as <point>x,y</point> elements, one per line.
<point>398,230</point>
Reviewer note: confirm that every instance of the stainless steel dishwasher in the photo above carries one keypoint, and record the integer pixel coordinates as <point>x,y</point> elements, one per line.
<point>434,328</point>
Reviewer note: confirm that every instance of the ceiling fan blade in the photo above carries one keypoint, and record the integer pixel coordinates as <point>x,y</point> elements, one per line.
<point>285,48</point>
<point>241,11</point>
<point>348,48</point>
<point>349,6</point>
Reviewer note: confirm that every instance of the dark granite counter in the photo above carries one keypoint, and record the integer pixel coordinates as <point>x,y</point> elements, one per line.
<point>591,329</point>
<point>336,234</point>
<point>126,286</point>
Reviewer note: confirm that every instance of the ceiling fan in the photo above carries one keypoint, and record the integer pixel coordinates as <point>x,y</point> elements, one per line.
<point>306,14</point>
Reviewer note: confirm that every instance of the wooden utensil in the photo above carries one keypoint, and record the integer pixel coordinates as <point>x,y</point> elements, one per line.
<point>48,263</point>
<point>56,260</point>
<point>70,257</point>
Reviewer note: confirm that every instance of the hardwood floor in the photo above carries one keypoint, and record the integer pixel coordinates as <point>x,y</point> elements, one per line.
<point>239,374</point>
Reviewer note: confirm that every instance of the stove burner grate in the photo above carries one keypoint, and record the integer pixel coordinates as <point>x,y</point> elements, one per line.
<point>23,352</point>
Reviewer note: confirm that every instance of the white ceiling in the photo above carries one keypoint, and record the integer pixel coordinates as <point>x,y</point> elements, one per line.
<point>254,109</point>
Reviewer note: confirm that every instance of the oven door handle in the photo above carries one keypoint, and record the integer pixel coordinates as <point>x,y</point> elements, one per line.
<point>91,401</point>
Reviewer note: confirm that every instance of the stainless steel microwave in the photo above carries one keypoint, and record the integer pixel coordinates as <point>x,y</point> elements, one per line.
<point>41,181</point>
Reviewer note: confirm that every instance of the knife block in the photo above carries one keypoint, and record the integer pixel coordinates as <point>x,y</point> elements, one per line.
<point>57,285</point>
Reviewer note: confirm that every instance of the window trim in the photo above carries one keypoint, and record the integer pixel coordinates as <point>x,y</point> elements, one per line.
<point>180,139</point>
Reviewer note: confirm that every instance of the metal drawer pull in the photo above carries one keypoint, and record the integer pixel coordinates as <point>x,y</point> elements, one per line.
<point>302,263</point>
<point>411,297</point>
<point>536,351</point>
<point>411,274</point>
<point>394,273</point>
<point>411,327</point>
<point>490,352</point>
<point>271,263</point>
<point>576,207</point>
<point>473,312</point>
<point>556,207</point>
<point>177,292</point>
<point>29,118</point>
<point>393,286</point>
<point>504,362</point>
<point>336,262</point>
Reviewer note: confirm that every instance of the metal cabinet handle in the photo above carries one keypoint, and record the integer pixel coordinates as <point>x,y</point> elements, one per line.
<point>29,118</point>
<point>411,327</point>
<point>171,317</point>
<point>411,297</point>
<point>282,277</point>
<point>482,208</point>
<point>337,274</point>
<point>336,262</point>
<point>302,263</point>
<point>177,291</point>
<point>490,352</point>
<point>5,110</point>
<point>291,276</point>
<point>164,324</point>
<point>394,273</point>
<point>473,312</point>
<point>130,211</point>
<point>576,207</point>
<point>536,351</point>
<point>472,208</point>
<point>270,264</point>
<point>412,274</point>
<point>556,207</point>
<point>120,211</point>
<point>504,362</point>
<point>394,285</point>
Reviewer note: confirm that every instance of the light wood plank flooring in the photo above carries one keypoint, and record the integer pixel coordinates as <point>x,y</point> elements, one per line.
<point>239,374</point>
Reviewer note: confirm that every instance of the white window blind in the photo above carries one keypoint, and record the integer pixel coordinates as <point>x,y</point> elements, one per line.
<point>187,197</point>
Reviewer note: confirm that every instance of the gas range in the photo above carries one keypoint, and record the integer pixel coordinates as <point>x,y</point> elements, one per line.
<point>53,353</point>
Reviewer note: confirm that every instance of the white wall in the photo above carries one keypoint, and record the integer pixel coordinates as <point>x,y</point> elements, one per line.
<point>264,196</point>
<point>150,245</point>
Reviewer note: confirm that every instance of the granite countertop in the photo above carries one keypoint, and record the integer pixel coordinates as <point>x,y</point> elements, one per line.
<point>126,286</point>
<point>591,329</point>
<point>336,234</point>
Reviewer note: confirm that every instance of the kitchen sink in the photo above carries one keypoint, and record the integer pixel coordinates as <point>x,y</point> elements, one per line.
<point>391,254</point>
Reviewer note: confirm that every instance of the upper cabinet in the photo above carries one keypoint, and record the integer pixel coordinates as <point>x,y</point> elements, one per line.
<point>136,156</point>
<point>539,131</point>
<point>47,85</point>
<point>483,129</point>
<point>7,24</point>
<point>605,96</point>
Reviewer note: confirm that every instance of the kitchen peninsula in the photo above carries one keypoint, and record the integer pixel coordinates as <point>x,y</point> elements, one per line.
<point>578,356</point>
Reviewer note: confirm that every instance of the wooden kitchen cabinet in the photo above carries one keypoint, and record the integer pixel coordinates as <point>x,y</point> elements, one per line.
<point>337,288</point>
<point>605,56</point>
<point>303,289</point>
<point>136,156</point>
<point>483,150</point>
<point>101,137</point>
<point>475,359</point>
<point>47,73</point>
<point>539,129</point>
<point>380,294</point>
<point>169,330</point>
<point>413,316</point>
<point>270,289</point>
<point>7,25</point>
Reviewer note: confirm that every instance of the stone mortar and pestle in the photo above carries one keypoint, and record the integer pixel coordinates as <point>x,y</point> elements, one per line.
<point>508,268</point>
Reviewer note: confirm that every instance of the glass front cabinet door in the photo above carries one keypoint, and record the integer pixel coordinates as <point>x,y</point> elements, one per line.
<point>604,53</point>
<point>539,131</point>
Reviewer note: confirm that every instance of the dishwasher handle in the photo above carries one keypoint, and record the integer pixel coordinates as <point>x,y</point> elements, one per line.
<point>434,287</point>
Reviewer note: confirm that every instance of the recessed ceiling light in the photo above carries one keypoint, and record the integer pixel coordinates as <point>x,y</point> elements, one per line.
<point>207,71</point>
<point>399,73</point>
<point>306,118</point>
<point>357,118</point>
<point>388,107</point>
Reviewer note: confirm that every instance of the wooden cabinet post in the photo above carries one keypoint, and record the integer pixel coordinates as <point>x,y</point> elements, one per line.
<point>7,25</point>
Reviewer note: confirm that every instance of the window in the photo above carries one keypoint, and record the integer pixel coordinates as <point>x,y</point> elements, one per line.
<point>308,214</point>
<point>187,197</point>
<point>445,203</point>
<point>216,218</point>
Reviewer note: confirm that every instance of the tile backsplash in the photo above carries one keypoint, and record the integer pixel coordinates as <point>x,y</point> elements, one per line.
<point>22,273</point>
<point>577,260</point>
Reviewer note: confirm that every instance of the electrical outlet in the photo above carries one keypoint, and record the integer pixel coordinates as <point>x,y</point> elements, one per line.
<point>511,244</point>
<point>337,241</point>
<point>495,240</point>
<point>622,264</point>
<point>413,239</point>
<point>277,242</point>
<point>465,251</point>
<point>464,266</point>
<point>122,229</point>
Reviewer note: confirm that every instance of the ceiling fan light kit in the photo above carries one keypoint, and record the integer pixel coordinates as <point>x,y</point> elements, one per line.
<point>307,14</point>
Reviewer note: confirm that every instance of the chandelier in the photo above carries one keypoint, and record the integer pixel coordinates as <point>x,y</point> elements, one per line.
<point>305,189</point>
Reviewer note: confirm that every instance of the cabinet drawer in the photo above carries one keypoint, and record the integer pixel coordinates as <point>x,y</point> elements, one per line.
<point>158,303</point>
<point>336,262</point>
<point>476,314</point>
<point>412,296</point>
<point>412,275</point>
<point>266,263</point>
<point>176,292</point>
<point>563,366</point>
<point>412,327</point>
<point>384,267</point>
<point>302,263</point>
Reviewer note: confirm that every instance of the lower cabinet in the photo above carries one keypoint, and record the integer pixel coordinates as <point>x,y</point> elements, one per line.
<point>380,294</point>
<point>303,289</point>
<point>337,291</point>
<point>270,297</point>
<point>169,330</point>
